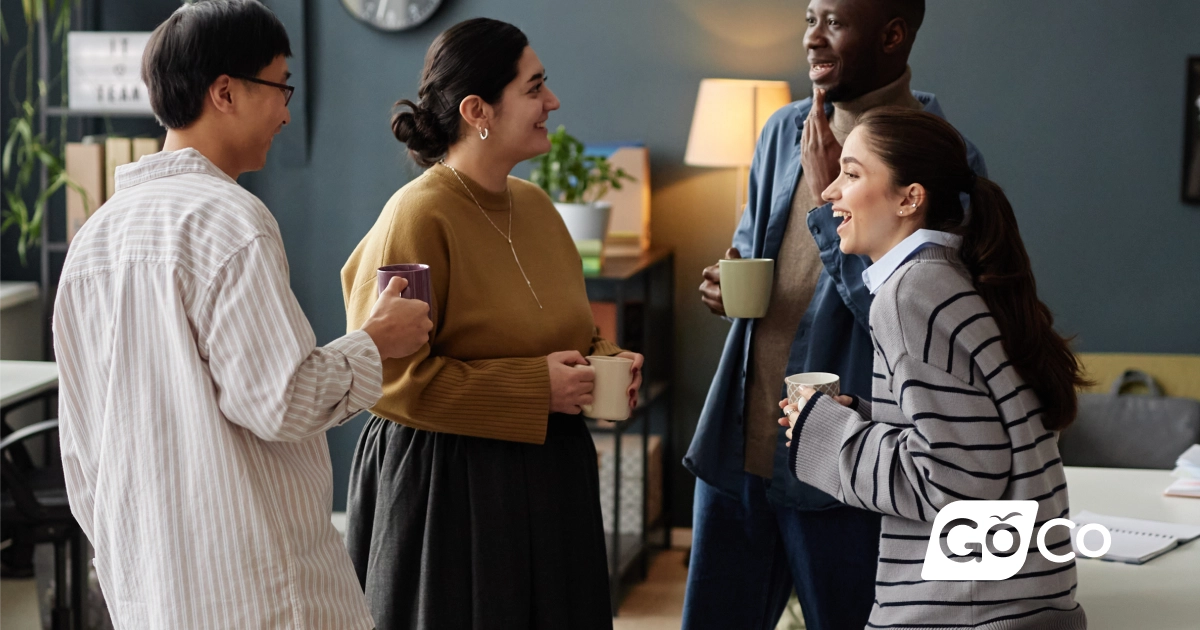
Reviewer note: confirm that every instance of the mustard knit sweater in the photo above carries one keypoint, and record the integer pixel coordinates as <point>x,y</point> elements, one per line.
<point>484,371</point>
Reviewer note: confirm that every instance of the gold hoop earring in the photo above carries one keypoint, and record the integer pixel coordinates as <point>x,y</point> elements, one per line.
<point>483,135</point>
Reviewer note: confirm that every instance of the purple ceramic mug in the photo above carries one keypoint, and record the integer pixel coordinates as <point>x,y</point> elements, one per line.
<point>420,285</point>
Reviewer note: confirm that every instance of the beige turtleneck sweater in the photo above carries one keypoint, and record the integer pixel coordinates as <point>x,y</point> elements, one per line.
<point>797,268</point>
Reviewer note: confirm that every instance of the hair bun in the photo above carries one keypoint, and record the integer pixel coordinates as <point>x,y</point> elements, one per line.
<point>419,130</point>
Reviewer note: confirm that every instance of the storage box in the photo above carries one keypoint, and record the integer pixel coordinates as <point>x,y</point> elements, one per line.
<point>631,480</point>
<point>629,225</point>
<point>85,166</point>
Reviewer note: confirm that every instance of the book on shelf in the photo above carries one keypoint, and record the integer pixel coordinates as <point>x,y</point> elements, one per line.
<point>629,224</point>
<point>117,152</point>
<point>85,166</point>
<point>144,146</point>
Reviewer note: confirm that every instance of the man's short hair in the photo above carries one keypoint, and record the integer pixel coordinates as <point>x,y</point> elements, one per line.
<point>911,11</point>
<point>200,42</point>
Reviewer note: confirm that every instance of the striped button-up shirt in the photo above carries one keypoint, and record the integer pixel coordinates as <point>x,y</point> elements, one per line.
<point>192,406</point>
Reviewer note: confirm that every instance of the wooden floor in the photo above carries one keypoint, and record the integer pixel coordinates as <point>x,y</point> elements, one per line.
<point>655,604</point>
<point>18,605</point>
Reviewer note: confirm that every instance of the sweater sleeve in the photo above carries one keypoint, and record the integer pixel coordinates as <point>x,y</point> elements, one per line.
<point>603,347</point>
<point>502,398</point>
<point>956,448</point>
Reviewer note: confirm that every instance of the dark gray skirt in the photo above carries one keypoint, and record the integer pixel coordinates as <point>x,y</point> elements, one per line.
<point>448,531</point>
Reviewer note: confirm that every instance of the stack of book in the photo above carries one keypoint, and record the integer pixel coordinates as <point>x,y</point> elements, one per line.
<point>1187,475</point>
<point>592,253</point>
<point>92,165</point>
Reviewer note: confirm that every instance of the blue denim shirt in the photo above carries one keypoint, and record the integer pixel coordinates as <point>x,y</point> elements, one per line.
<point>832,336</point>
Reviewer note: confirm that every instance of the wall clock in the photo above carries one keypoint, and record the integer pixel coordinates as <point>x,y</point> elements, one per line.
<point>392,15</point>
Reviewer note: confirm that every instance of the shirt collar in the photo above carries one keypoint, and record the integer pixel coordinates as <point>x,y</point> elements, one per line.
<point>878,273</point>
<point>165,164</point>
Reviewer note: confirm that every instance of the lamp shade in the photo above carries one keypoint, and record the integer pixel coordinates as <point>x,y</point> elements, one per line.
<point>730,113</point>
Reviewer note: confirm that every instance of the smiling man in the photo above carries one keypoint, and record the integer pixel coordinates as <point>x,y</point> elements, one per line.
<point>194,399</point>
<point>758,533</point>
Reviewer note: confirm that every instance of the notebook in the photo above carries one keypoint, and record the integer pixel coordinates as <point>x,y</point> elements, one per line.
<point>1189,488</point>
<point>1134,541</point>
<point>1187,474</point>
<point>1188,464</point>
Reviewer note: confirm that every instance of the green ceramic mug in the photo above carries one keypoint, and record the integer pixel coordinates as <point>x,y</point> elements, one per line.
<point>746,286</point>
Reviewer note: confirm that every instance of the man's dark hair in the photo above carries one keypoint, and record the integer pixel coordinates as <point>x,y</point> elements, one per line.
<point>202,41</point>
<point>911,11</point>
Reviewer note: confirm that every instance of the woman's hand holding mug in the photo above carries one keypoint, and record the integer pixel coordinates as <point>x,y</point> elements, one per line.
<point>791,412</point>
<point>636,386</point>
<point>570,386</point>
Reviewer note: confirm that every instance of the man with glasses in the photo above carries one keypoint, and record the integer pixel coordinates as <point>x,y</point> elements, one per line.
<point>194,400</point>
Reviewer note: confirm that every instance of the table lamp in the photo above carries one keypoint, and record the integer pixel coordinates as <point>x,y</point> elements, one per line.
<point>730,113</point>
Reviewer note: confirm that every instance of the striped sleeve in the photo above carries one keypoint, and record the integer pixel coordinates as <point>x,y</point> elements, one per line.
<point>271,377</point>
<point>861,406</point>
<point>956,448</point>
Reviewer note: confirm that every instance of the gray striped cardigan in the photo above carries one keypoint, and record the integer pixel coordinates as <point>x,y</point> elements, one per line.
<point>949,419</point>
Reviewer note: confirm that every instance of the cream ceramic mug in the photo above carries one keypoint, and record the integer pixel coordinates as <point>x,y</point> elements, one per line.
<point>610,393</point>
<point>746,286</point>
<point>824,382</point>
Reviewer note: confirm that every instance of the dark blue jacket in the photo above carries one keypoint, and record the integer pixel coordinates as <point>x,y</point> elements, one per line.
<point>833,333</point>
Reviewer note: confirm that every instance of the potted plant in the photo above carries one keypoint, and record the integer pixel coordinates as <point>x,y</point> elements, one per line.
<point>26,148</point>
<point>577,183</point>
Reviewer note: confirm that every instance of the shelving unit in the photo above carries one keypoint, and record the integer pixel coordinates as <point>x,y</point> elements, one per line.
<point>84,17</point>
<point>642,288</point>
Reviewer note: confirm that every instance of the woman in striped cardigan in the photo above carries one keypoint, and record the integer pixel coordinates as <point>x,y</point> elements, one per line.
<point>971,380</point>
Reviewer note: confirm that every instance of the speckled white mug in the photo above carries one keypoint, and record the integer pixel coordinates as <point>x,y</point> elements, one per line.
<point>824,382</point>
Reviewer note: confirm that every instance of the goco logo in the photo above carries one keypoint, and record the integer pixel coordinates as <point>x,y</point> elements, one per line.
<point>988,540</point>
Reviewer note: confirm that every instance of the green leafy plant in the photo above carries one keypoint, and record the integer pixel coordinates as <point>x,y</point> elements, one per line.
<point>26,149</point>
<point>568,175</point>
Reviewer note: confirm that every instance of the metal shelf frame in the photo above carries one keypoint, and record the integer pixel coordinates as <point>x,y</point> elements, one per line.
<point>648,282</point>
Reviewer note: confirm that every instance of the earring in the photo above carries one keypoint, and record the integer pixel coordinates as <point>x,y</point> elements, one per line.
<point>483,134</point>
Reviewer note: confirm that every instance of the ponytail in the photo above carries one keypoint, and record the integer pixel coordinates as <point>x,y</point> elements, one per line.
<point>995,256</point>
<point>919,147</point>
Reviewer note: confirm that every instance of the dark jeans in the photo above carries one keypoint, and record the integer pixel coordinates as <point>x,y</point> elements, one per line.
<point>748,555</point>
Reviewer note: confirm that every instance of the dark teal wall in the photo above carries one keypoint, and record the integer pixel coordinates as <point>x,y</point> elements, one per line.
<point>1076,104</point>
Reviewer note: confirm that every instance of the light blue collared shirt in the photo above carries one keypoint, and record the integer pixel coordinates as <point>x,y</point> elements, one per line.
<point>878,273</point>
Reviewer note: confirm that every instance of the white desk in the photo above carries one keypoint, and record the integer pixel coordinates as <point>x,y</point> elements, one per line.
<point>1164,593</point>
<point>26,380</point>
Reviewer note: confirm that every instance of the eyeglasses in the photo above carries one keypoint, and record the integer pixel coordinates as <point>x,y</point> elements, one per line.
<point>286,89</point>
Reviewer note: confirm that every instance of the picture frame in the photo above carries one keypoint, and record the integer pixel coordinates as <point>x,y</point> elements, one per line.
<point>1191,134</point>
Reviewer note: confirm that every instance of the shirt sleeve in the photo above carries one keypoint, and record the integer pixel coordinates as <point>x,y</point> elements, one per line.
<point>957,447</point>
<point>846,270</point>
<point>261,351</point>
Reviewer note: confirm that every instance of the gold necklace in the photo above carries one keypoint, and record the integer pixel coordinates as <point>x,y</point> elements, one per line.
<point>507,237</point>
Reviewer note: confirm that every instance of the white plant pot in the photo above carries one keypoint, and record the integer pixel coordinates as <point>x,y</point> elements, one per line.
<point>586,221</point>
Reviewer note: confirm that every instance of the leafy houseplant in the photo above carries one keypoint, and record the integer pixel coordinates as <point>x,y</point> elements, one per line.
<point>26,149</point>
<point>577,182</point>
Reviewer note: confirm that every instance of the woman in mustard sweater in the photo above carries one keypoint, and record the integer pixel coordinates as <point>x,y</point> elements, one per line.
<point>474,493</point>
